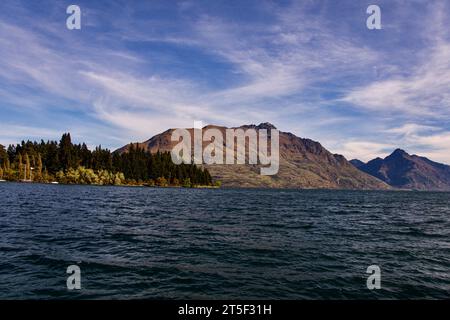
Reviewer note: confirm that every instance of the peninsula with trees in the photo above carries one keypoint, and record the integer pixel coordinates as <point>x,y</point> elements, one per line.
<point>68,163</point>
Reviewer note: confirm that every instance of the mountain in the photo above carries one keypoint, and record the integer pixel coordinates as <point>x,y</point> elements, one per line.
<point>357,163</point>
<point>304,163</point>
<point>405,171</point>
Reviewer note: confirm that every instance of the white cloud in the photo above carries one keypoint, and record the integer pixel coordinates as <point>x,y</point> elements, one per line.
<point>418,86</point>
<point>14,133</point>
<point>409,129</point>
<point>424,93</point>
<point>437,146</point>
<point>429,141</point>
<point>365,150</point>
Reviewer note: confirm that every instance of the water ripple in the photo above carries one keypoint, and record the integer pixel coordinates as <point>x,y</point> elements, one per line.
<point>230,244</point>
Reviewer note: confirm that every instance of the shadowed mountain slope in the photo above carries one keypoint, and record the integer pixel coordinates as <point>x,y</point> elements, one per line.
<point>402,170</point>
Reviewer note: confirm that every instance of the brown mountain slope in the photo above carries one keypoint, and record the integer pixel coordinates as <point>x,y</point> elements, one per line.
<point>304,163</point>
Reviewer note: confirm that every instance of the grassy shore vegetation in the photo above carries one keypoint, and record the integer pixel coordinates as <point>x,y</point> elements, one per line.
<point>69,163</point>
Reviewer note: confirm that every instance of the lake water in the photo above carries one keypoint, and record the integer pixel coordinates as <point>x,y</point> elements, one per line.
<point>151,243</point>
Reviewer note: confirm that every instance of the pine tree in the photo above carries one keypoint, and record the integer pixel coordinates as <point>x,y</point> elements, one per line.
<point>65,151</point>
<point>27,174</point>
<point>136,164</point>
<point>45,176</point>
<point>7,165</point>
<point>39,167</point>
<point>3,154</point>
<point>20,166</point>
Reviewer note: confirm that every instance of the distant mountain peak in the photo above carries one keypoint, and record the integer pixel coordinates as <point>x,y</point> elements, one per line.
<point>357,163</point>
<point>266,125</point>
<point>263,125</point>
<point>402,170</point>
<point>399,152</point>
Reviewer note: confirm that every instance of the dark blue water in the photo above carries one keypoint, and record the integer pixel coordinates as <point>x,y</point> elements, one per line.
<point>191,243</point>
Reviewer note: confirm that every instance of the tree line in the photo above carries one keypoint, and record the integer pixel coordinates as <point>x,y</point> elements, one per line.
<point>65,162</point>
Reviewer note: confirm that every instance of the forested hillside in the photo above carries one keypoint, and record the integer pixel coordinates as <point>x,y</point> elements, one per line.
<point>66,162</point>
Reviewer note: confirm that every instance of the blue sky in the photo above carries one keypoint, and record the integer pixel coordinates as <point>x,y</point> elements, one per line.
<point>312,68</point>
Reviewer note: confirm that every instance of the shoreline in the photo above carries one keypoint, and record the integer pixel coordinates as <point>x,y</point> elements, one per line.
<point>221,187</point>
<point>110,185</point>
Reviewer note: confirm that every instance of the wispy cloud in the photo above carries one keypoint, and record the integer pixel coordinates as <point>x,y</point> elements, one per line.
<point>366,150</point>
<point>418,85</point>
<point>423,93</point>
<point>429,141</point>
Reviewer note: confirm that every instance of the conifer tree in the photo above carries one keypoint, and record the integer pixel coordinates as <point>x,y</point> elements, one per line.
<point>65,151</point>
<point>39,167</point>
<point>136,165</point>
<point>27,173</point>
<point>6,165</point>
<point>20,166</point>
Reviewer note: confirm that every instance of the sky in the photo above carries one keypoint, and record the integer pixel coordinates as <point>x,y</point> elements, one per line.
<point>313,68</point>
